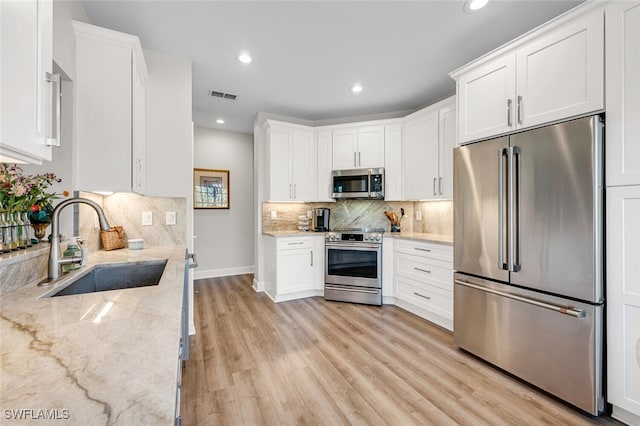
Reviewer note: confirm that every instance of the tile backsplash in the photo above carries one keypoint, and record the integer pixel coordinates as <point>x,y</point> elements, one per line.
<point>125,209</point>
<point>437,216</point>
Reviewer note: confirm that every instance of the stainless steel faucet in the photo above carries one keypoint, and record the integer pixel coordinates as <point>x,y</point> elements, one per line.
<point>55,262</point>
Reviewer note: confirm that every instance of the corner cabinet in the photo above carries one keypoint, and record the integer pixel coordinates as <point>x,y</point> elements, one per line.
<point>552,73</point>
<point>358,147</point>
<point>294,267</point>
<point>110,110</point>
<point>429,140</point>
<point>29,93</point>
<point>325,166</point>
<point>623,209</point>
<point>291,164</point>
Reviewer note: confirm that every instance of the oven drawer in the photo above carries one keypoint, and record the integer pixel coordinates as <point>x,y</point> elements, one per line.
<point>434,272</point>
<point>427,250</point>
<point>425,296</point>
<point>294,243</point>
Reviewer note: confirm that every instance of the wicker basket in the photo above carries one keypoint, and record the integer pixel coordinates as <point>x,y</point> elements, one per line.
<point>113,239</point>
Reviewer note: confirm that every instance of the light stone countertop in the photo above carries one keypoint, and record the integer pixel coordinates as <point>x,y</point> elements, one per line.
<point>422,236</point>
<point>119,370</point>
<point>279,234</point>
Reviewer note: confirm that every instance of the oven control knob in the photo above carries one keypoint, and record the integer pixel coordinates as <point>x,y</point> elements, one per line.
<point>377,237</point>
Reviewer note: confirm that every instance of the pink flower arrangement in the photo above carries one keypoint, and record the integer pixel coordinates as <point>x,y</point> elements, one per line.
<point>20,193</point>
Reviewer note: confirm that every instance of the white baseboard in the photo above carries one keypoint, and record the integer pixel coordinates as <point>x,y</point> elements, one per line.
<point>428,315</point>
<point>388,300</point>
<point>258,286</point>
<point>225,272</point>
<point>625,416</point>
<point>297,295</point>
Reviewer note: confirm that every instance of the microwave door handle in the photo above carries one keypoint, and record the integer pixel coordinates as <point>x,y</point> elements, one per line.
<point>369,184</point>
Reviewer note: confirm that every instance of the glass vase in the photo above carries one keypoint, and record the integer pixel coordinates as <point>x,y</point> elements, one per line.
<point>28,231</point>
<point>13,232</point>
<point>21,240</point>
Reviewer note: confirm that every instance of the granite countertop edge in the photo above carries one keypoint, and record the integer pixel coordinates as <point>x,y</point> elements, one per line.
<point>107,357</point>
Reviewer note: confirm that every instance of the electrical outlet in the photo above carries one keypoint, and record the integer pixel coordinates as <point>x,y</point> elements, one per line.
<point>418,215</point>
<point>147,219</point>
<point>274,215</point>
<point>170,218</point>
<point>310,214</point>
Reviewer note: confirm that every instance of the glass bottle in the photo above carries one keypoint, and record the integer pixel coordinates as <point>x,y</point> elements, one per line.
<point>4,234</point>
<point>13,232</point>
<point>21,242</point>
<point>28,231</point>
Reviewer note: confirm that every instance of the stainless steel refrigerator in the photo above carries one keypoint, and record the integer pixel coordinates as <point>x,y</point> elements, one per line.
<point>528,256</point>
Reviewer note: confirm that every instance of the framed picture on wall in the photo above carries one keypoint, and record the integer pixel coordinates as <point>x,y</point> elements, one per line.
<point>210,189</point>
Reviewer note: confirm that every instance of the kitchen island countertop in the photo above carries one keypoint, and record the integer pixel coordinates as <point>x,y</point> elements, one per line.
<point>97,358</point>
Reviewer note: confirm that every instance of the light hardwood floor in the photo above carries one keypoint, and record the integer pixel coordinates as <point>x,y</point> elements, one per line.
<point>254,362</point>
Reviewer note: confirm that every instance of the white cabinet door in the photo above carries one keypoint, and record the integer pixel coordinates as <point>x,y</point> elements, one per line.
<point>393,162</point>
<point>279,167</point>
<point>447,142</point>
<point>139,131</point>
<point>344,149</point>
<point>421,156</point>
<point>370,147</point>
<point>623,93</point>
<point>486,99</point>
<point>623,298</point>
<point>295,271</point>
<point>110,110</point>
<point>303,165</point>
<point>561,73</point>
<point>26,55</point>
<point>325,165</point>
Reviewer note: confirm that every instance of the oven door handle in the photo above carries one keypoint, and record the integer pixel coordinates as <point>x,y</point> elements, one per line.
<point>356,290</point>
<point>363,247</point>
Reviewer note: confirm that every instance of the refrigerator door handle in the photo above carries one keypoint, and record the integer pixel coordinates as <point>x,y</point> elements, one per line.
<point>502,263</point>
<point>566,310</point>
<point>514,209</point>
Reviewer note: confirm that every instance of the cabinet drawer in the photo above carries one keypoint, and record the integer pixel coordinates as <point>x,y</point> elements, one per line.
<point>434,272</point>
<point>428,250</point>
<point>425,296</point>
<point>294,243</point>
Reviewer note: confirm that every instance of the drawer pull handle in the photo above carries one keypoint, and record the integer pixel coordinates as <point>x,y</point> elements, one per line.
<point>293,244</point>
<point>422,270</point>
<point>421,295</point>
<point>422,249</point>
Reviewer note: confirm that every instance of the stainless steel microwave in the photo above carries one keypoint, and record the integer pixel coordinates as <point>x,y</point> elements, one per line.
<point>358,183</point>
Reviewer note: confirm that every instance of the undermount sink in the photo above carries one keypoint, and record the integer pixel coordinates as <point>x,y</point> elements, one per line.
<point>114,276</point>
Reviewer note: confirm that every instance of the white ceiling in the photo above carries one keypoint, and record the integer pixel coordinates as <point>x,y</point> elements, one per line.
<point>306,55</point>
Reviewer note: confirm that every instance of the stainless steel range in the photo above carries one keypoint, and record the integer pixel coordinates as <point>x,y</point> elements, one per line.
<point>353,271</point>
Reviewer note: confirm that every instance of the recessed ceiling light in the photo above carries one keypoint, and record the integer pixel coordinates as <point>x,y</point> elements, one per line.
<point>244,58</point>
<point>220,121</point>
<point>474,5</point>
<point>356,88</point>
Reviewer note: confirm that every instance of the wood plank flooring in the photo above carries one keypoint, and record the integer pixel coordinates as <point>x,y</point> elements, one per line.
<point>309,361</point>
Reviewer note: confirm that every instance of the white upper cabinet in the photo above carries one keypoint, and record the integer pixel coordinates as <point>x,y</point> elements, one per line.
<point>291,165</point>
<point>393,162</point>
<point>325,165</point>
<point>421,155</point>
<point>430,136</point>
<point>28,125</point>
<point>110,112</point>
<point>486,97</point>
<point>447,141</point>
<point>370,147</point>
<point>623,94</point>
<point>552,73</point>
<point>358,147</point>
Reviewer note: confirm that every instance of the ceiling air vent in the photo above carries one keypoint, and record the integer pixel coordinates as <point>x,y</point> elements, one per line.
<point>222,95</point>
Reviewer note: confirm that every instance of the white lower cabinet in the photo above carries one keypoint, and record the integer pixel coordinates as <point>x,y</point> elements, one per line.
<point>295,267</point>
<point>423,280</point>
<point>623,302</point>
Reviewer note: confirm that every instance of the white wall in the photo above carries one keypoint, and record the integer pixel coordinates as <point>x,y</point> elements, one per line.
<point>225,238</point>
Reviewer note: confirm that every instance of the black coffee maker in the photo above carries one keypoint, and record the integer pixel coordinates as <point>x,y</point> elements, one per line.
<point>321,219</point>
